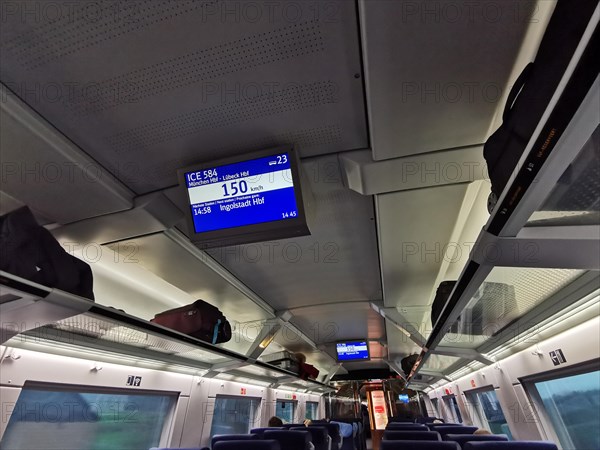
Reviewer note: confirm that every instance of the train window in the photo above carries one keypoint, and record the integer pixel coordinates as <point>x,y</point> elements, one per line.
<point>286,410</point>
<point>572,404</point>
<point>436,408</point>
<point>234,415</point>
<point>44,418</point>
<point>312,411</point>
<point>489,411</point>
<point>452,405</point>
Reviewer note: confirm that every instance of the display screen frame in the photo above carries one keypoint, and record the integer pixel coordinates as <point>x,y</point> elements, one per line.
<point>245,234</point>
<point>353,341</point>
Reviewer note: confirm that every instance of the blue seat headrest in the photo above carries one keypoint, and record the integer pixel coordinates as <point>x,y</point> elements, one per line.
<point>511,445</point>
<point>462,439</point>
<point>394,435</point>
<point>261,431</point>
<point>453,429</point>
<point>418,445</point>
<point>319,434</point>
<point>255,444</point>
<point>290,440</point>
<point>406,427</point>
<point>332,428</point>
<point>232,437</point>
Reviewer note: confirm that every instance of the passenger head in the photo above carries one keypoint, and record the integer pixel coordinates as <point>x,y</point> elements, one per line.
<point>275,422</point>
<point>482,431</point>
<point>307,422</point>
<point>436,421</point>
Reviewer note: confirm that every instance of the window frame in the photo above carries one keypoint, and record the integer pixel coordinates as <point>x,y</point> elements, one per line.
<point>306,410</point>
<point>288,400</point>
<point>447,399</point>
<point>480,416</point>
<point>436,409</point>
<point>253,421</point>
<point>528,382</point>
<point>167,426</point>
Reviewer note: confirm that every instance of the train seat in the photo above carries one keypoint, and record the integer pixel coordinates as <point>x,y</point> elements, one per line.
<point>394,435</point>
<point>177,448</point>
<point>291,440</point>
<point>452,429</point>
<point>462,439</point>
<point>511,445</point>
<point>333,429</point>
<point>248,445</point>
<point>320,438</point>
<point>261,431</point>
<point>406,427</point>
<point>288,426</point>
<point>232,437</point>
<point>418,445</point>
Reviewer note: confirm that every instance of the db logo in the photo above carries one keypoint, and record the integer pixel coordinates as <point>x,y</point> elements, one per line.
<point>379,409</point>
<point>243,391</point>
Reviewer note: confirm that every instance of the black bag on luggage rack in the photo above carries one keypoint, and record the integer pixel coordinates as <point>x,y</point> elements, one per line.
<point>532,91</point>
<point>441,296</point>
<point>30,251</point>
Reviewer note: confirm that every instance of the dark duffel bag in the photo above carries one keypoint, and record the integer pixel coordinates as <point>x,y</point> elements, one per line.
<point>307,371</point>
<point>441,297</point>
<point>30,251</point>
<point>532,91</point>
<point>407,363</point>
<point>200,320</point>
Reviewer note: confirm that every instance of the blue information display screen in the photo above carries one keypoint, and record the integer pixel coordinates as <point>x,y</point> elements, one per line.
<point>351,351</point>
<point>244,193</point>
<point>403,398</point>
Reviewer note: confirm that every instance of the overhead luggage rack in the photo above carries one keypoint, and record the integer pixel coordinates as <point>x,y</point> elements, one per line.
<point>37,317</point>
<point>544,248</point>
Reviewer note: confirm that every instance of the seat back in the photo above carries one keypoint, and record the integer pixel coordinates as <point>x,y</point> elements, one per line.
<point>418,445</point>
<point>452,429</point>
<point>333,429</point>
<point>511,445</point>
<point>288,426</point>
<point>232,437</point>
<point>462,439</point>
<point>255,444</point>
<point>319,435</point>
<point>290,440</point>
<point>406,427</point>
<point>393,435</point>
<point>261,431</point>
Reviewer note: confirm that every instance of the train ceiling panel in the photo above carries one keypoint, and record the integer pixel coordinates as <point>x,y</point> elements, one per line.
<point>338,262</point>
<point>145,88</point>
<point>438,72</point>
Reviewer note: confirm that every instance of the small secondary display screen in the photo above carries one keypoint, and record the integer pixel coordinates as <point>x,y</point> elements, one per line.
<point>244,193</point>
<point>352,351</point>
<point>403,398</point>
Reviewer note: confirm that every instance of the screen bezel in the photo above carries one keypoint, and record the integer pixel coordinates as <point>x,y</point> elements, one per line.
<point>248,233</point>
<point>352,341</point>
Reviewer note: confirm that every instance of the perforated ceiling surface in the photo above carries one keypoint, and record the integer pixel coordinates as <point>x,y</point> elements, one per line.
<point>337,263</point>
<point>149,87</point>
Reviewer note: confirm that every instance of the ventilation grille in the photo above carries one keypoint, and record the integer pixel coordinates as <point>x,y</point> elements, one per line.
<point>295,98</point>
<point>211,63</point>
<point>80,26</point>
<point>165,172</point>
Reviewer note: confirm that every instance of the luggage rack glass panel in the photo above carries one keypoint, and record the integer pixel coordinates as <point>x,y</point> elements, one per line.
<point>440,363</point>
<point>110,332</point>
<point>507,295</point>
<point>575,199</point>
<point>554,207</point>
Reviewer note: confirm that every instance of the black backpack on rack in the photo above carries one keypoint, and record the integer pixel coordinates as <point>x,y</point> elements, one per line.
<point>532,91</point>
<point>29,251</point>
